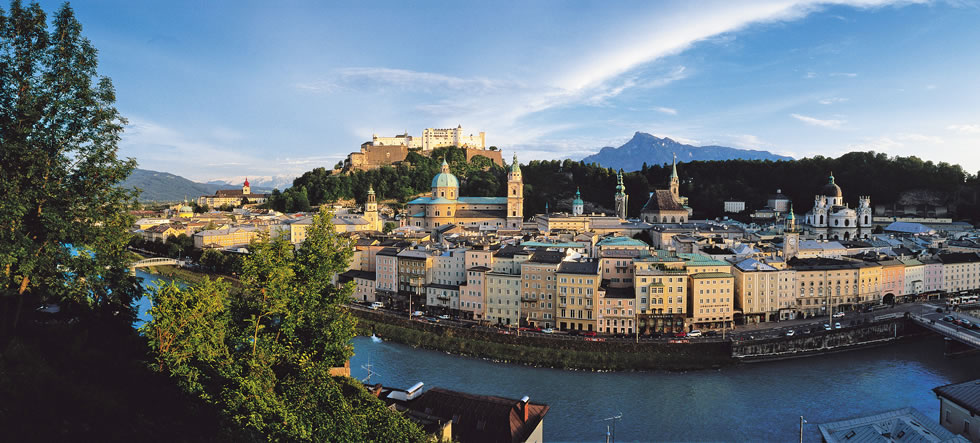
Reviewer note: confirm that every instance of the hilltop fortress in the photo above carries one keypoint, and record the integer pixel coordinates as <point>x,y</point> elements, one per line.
<point>382,151</point>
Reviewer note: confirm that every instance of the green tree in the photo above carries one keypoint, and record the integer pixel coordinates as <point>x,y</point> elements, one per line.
<point>59,131</point>
<point>265,357</point>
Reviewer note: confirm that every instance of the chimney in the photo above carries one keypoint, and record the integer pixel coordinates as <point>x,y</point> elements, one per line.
<point>523,407</point>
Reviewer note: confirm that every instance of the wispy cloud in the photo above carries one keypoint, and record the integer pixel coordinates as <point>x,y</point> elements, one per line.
<point>813,121</point>
<point>965,129</point>
<point>832,100</point>
<point>362,78</point>
<point>665,110</point>
<point>843,74</point>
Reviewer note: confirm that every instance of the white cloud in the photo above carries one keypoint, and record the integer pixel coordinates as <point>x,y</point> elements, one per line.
<point>965,129</point>
<point>843,74</point>
<point>810,74</point>
<point>813,121</point>
<point>371,78</point>
<point>832,100</point>
<point>665,110</point>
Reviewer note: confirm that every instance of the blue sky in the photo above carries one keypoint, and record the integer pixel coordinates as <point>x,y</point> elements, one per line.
<point>228,89</point>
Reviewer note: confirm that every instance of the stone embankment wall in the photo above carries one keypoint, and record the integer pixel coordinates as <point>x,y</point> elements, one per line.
<point>549,351</point>
<point>824,341</point>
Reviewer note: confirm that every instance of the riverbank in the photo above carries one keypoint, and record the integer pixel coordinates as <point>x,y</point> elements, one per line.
<point>540,352</point>
<point>191,277</point>
<point>580,354</point>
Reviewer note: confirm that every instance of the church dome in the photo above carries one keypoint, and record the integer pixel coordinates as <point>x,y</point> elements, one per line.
<point>445,179</point>
<point>831,189</point>
<point>186,209</point>
<point>578,198</point>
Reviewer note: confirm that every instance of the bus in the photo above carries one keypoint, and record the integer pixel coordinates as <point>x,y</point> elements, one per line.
<point>963,300</point>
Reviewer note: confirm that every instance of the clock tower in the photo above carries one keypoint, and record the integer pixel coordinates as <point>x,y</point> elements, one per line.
<point>791,236</point>
<point>515,196</point>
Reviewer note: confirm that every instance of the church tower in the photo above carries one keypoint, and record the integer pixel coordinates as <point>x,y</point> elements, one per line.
<point>675,182</point>
<point>578,205</point>
<point>246,189</point>
<point>621,198</point>
<point>371,209</point>
<point>791,236</point>
<point>515,196</point>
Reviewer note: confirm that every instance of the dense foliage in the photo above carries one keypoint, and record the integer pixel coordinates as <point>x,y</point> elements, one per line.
<point>265,357</point>
<point>64,220</point>
<point>478,177</point>
<point>706,183</point>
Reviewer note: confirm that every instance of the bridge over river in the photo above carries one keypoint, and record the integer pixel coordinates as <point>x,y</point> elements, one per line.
<point>966,337</point>
<point>155,261</point>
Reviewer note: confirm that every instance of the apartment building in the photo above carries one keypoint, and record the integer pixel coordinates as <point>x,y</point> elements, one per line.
<point>539,288</point>
<point>616,313</point>
<point>503,298</point>
<point>577,295</point>
<point>763,292</point>
<point>711,301</point>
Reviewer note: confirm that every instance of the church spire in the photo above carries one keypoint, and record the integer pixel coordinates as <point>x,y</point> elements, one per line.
<point>515,167</point>
<point>673,173</point>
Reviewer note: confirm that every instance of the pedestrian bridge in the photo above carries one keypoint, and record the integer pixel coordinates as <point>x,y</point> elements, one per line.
<point>156,261</point>
<point>969,337</point>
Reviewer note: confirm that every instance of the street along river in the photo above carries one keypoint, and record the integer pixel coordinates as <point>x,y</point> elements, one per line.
<point>751,402</point>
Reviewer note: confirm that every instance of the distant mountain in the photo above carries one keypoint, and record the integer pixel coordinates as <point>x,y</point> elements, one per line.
<point>653,150</point>
<point>270,182</point>
<point>163,186</point>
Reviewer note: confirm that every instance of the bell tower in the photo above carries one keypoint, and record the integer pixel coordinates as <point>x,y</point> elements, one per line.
<point>515,196</point>
<point>371,209</point>
<point>621,198</point>
<point>246,189</point>
<point>675,182</point>
<point>791,236</point>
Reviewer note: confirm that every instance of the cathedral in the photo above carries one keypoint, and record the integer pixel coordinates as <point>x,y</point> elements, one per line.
<point>445,206</point>
<point>832,219</point>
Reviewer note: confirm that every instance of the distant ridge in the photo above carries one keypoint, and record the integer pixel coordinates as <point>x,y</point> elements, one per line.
<point>652,150</point>
<point>164,186</point>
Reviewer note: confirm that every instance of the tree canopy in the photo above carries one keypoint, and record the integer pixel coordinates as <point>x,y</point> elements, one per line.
<point>64,220</point>
<point>265,357</point>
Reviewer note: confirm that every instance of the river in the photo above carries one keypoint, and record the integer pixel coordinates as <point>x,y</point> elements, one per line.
<point>752,402</point>
<point>143,303</point>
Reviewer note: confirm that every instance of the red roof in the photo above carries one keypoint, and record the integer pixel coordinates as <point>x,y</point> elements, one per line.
<point>246,181</point>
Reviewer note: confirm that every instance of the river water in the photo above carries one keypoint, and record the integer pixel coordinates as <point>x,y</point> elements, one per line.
<point>143,304</point>
<point>759,402</point>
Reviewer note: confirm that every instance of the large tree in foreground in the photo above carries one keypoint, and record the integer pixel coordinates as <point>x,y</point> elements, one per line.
<point>265,357</point>
<point>62,219</point>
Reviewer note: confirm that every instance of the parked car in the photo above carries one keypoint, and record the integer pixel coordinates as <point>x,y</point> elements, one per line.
<point>949,318</point>
<point>711,333</point>
<point>967,324</point>
<point>837,325</point>
<point>694,333</point>
<point>548,331</point>
<point>790,333</point>
<point>418,314</point>
<point>680,334</point>
<point>443,317</point>
<point>377,305</point>
<point>433,319</point>
<point>826,327</point>
<point>839,314</point>
<point>589,333</point>
<point>573,333</point>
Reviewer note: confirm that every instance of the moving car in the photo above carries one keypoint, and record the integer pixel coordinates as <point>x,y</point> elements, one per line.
<point>680,334</point>
<point>694,333</point>
<point>790,333</point>
<point>949,318</point>
<point>589,333</point>
<point>548,330</point>
<point>826,327</point>
<point>417,314</point>
<point>837,325</point>
<point>839,315</point>
<point>377,305</point>
<point>443,317</point>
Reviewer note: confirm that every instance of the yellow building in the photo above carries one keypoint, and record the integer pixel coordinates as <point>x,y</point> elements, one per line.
<point>578,294</point>
<point>711,303</point>
<point>222,238</point>
<point>445,205</point>
<point>764,292</point>
<point>661,298</point>
<point>233,197</point>
<point>827,285</point>
<point>538,281</point>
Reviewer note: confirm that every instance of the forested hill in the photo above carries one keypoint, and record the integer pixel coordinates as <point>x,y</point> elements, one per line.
<point>644,148</point>
<point>706,183</point>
